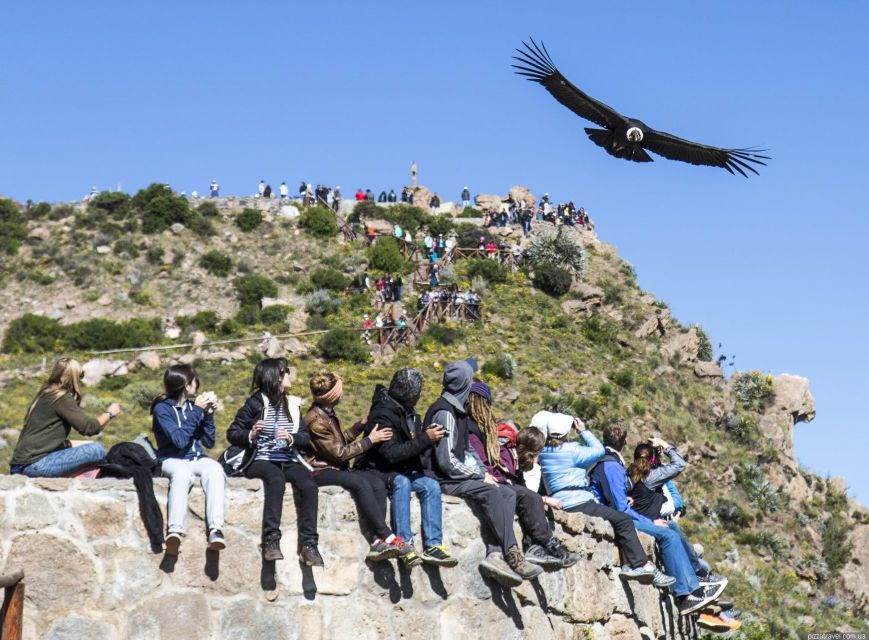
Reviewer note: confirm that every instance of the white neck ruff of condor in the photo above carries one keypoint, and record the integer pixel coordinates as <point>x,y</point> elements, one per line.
<point>635,134</point>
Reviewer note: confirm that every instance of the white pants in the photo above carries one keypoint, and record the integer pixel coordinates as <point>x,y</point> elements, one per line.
<point>181,474</point>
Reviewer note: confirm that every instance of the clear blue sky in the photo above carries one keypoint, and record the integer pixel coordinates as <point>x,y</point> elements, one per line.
<point>101,93</point>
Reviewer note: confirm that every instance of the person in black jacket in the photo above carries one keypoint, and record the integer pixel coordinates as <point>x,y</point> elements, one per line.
<point>399,462</point>
<point>270,424</point>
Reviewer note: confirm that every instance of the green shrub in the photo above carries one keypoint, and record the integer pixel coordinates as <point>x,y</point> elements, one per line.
<point>385,255</point>
<point>704,351</point>
<point>329,279</point>
<point>342,344</point>
<point>101,334</point>
<point>252,288</point>
<point>777,546</point>
<point>487,269</point>
<point>441,224</point>
<point>125,249</point>
<point>613,292</point>
<point>444,333</point>
<point>155,255</point>
<point>759,490</point>
<point>208,210</point>
<point>248,219</point>
<point>216,263</point>
<point>61,211</point>
<point>366,210</point>
<point>38,211</point>
<point>836,547</point>
<point>247,315</point>
<point>39,276</point>
<point>503,366</point>
<point>319,221</point>
<point>154,190</point>
<point>468,235</point>
<point>231,327</point>
<point>141,394</point>
<point>557,249</point>
<point>409,217</point>
<point>115,204</point>
<point>741,428</point>
<point>470,212</point>
<point>753,389</point>
<point>275,315</point>
<point>32,334</point>
<point>624,378</point>
<point>552,279</point>
<point>732,517</point>
<point>321,303</point>
<point>115,383</point>
<point>599,330</point>
<point>316,323</point>
<point>202,227</point>
<point>12,228</point>
<point>207,321</point>
<point>163,211</point>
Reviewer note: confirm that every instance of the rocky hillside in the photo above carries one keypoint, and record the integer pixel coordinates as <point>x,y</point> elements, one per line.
<point>793,544</point>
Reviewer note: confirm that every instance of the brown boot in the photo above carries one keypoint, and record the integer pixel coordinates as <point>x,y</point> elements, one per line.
<point>517,562</point>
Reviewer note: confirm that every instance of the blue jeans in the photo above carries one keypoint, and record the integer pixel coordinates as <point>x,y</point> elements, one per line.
<point>429,492</point>
<point>677,563</point>
<point>62,462</point>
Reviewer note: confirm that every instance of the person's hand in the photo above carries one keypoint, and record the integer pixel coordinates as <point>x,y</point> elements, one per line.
<point>114,409</point>
<point>435,432</point>
<point>555,503</point>
<point>257,429</point>
<point>658,443</point>
<point>202,401</point>
<point>630,501</point>
<point>490,479</point>
<point>283,434</point>
<point>661,523</point>
<point>380,434</point>
<point>579,425</point>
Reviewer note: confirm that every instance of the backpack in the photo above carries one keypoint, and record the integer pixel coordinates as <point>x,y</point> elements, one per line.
<point>235,460</point>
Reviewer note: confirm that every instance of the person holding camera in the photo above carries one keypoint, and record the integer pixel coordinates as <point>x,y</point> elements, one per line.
<point>43,448</point>
<point>184,429</point>
<point>270,424</point>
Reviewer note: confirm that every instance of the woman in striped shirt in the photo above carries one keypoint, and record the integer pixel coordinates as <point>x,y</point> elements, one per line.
<point>270,424</point>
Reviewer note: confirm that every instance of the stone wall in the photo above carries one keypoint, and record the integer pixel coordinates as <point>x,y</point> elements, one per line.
<point>89,574</point>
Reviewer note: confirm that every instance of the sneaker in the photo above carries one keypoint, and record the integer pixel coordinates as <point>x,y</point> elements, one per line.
<point>411,558</point>
<point>437,555</point>
<point>216,541</point>
<point>382,550</point>
<point>271,548</point>
<point>697,599</point>
<point>310,555</point>
<point>495,567</point>
<point>732,613</point>
<point>173,543</point>
<point>558,550</point>
<point>645,574</point>
<point>536,554</point>
<point>661,580</point>
<point>517,562</point>
<point>717,624</point>
<point>713,583</point>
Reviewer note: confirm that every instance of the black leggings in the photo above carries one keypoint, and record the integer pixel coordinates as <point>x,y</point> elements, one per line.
<point>369,492</point>
<point>532,515</point>
<point>275,476</point>
<point>625,531</point>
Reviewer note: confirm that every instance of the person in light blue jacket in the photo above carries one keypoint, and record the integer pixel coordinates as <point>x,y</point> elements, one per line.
<point>564,465</point>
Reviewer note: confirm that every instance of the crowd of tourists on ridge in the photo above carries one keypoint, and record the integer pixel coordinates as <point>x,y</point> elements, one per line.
<point>459,447</point>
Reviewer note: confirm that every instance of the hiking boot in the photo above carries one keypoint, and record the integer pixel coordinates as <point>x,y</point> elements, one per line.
<point>437,555</point>
<point>558,550</point>
<point>495,567</point>
<point>717,624</point>
<point>697,599</point>
<point>520,565</point>
<point>410,558</point>
<point>271,547</point>
<point>661,580</point>
<point>173,543</point>
<point>310,555</point>
<point>382,550</point>
<point>644,574</point>
<point>216,541</point>
<point>541,557</point>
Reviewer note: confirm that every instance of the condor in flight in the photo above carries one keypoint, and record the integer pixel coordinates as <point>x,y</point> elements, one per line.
<point>625,137</point>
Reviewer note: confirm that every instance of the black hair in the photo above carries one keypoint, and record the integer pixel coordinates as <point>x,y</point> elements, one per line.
<point>267,379</point>
<point>175,381</point>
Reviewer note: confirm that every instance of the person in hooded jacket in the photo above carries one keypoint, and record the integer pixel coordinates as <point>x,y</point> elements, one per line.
<point>271,426</point>
<point>462,474</point>
<point>399,461</point>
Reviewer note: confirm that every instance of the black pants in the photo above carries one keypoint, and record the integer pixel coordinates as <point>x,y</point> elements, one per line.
<point>532,515</point>
<point>626,533</point>
<point>497,502</point>
<point>368,490</point>
<point>275,476</point>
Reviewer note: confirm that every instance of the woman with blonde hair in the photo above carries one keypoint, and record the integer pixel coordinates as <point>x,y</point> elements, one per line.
<point>44,449</point>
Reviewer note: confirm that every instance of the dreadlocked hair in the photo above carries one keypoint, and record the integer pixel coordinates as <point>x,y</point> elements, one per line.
<point>481,411</point>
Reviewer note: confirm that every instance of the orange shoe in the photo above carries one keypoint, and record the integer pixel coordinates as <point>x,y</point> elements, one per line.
<point>717,624</point>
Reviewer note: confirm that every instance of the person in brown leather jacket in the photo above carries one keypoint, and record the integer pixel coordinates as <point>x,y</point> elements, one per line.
<point>332,450</point>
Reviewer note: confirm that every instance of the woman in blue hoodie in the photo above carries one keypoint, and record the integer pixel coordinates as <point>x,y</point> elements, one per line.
<point>183,430</point>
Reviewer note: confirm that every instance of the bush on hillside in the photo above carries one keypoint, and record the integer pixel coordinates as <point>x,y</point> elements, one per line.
<point>503,366</point>
<point>252,288</point>
<point>247,315</point>
<point>39,211</point>
<point>114,204</point>
<point>12,229</point>
<point>329,279</point>
<point>366,210</point>
<point>470,212</point>
<point>154,190</point>
<point>206,321</point>
<point>208,210</point>
<point>552,279</point>
<point>468,235</point>
<point>155,255</point>
<point>836,546</point>
<point>319,221</point>
<point>342,344</point>
<point>704,351</point>
<point>408,217</point>
<point>599,330</point>
<point>441,224</point>
<point>231,327</point>
<point>321,303</point>
<point>163,211</point>
<point>275,316</point>
<point>101,334</point>
<point>489,270</point>
<point>558,249</point>
<point>753,389</point>
<point>216,263</point>
<point>444,333</point>
<point>385,255</point>
<point>32,334</point>
<point>201,227</point>
<point>248,219</point>
<point>125,249</point>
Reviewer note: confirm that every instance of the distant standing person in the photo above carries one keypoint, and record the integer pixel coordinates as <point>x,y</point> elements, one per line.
<point>391,197</point>
<point>466,198</point>
<point>261,189</point>
<point>214,189</point>
<point>267,192</point>
<point>435,201</point>
<point>413,172</point>
<point>303,188</point>
<point>336,198</point>
<point>43,448</point>
<point>285,192</point>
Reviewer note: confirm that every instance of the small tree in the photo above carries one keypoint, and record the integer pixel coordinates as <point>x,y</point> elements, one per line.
<point>163,211</point>
<point>12,229</point>
<point>252,288</point>
<point>386,256</point>
<point>552,279</point>
<point>216,263</point>
<point>208,209</point>
<point>248,219</point>
<point>319,221</point>
<point>329,279</point>
<point>116,204</point>
<point>342,344</point>
<point>489,270</point>
<point>441,224</point>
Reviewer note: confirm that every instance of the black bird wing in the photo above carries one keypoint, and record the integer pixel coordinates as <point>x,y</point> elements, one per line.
<point>536,65</point>
<point>675,148</point>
